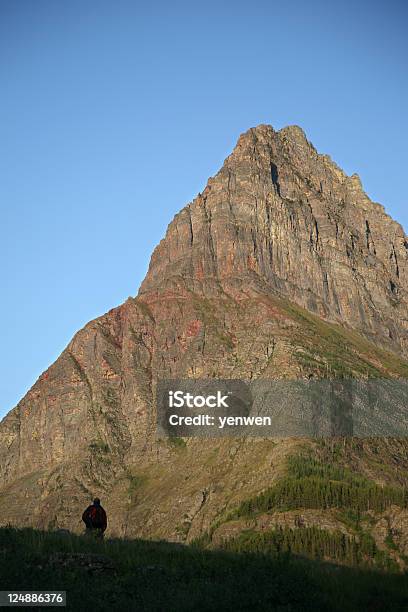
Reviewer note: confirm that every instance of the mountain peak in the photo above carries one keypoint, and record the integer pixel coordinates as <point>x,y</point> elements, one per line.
<point>294,131</point>
<point>265,131</point>
<point>283,218</point>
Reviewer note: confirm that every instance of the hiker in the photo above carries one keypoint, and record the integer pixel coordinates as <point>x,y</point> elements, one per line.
<point>95,519</point>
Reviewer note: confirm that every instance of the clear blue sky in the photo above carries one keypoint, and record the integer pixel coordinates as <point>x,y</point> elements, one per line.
<point>114,114</point>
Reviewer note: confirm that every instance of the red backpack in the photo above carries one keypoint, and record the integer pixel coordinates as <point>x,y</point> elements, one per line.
<point>97,516</point>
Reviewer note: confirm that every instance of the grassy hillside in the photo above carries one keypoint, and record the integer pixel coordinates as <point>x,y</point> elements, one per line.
<point>322,509</point>
<point>136,574</point>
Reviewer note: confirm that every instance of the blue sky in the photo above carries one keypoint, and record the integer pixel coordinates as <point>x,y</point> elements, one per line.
<point>114,114</point>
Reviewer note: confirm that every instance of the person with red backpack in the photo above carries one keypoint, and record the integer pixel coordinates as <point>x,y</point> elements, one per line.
<point>95,519</point>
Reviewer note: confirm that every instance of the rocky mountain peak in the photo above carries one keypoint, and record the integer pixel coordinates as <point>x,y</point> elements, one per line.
<point>281,217</point>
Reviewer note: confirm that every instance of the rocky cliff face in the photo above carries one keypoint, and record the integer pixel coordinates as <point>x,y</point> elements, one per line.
<point>281,268</point>
<point>282,219</point>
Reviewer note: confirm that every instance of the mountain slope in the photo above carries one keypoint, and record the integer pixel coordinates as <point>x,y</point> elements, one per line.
<point>281,268</point>
<point>120,575</point>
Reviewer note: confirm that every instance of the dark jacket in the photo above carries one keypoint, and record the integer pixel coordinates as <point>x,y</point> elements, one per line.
<point>94,517</point>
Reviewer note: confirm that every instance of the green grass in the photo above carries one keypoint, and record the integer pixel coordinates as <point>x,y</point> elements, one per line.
<point>314,543</point>
<point>332,350</point>
<point>389,540</point>
<point>136,482</point>
<point>177,442</point>
<point>311,483</point>
<point>169,577</point>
